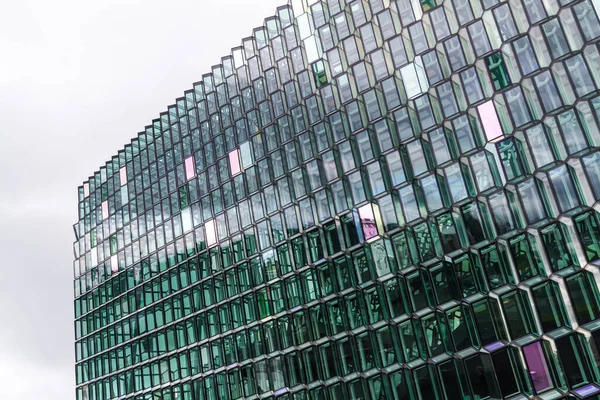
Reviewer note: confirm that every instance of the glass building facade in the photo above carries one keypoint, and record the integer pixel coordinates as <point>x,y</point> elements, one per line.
<point>383,199</point>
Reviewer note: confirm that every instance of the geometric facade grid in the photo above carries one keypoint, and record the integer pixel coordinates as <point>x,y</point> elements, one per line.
<point>366,200</point>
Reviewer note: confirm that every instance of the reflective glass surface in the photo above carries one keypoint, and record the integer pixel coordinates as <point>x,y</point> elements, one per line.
<point>382,199</point>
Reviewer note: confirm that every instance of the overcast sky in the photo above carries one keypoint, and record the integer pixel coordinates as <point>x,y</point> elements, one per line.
<point>78,80</point>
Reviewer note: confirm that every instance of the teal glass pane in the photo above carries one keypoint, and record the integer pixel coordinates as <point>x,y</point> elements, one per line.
<point>498,71</point>
<point>511,158</point>
<point>588,230</point>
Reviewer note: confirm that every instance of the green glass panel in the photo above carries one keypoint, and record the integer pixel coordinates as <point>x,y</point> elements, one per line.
<point>550,306</point>
<point>526,256</point>
<point>425,241</point>
<point>518,314</point>
<point>559,249</point>
<point>460,327</point>
<point>489,321</point>
<point>498,71</point>
<point>583,293</point>
<point>319,73</point>
<point>578,364</point>
<point>588,229</point>
<point>468,275</point>
<point>113,244</point>
<point>511,159</point>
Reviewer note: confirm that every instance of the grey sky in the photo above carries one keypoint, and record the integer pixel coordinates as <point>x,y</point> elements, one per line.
<point>78,80</point>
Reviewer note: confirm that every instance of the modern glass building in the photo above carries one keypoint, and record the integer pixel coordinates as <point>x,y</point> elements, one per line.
<point>366,200</point>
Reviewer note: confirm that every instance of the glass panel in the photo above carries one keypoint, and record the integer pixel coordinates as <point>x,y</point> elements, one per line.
<point>537,366</point>
<point>234,162</point>
<point>489,119</point>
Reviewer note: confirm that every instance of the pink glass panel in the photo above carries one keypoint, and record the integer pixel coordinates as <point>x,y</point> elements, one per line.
<point>123,175</point>
<point>367,220</point>
<point>190,171</point>
<point>86,189</point>
<point>105,209</point>
<point>211,233</point>
<point>489,119</point>
<point>114,263</point>
<point>234,162</point>
<point>538,369</point>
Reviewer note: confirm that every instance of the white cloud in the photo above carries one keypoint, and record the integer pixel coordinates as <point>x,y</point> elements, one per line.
<point>24,380</point>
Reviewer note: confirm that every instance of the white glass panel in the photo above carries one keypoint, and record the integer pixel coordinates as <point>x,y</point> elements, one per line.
<point>190,171</point>
<point>104,209</point>
<point>489,119</point>
<point>123,175</point>
<point>186,220</point>
<point>211,232</point>
<point>234,162</point>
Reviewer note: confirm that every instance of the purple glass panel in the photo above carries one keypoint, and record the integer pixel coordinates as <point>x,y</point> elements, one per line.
<point>367,220</point>
<point>538,369</point>
<point>123,175</point>
<point>587,390</point>
<point>489,119</point>
<point>494,346</point>
<point>281,391</point>
<point>234,162</point>
<point>190,171</point>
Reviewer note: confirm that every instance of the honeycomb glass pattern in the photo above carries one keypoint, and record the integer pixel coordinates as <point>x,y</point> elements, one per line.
<point>383,199</point>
